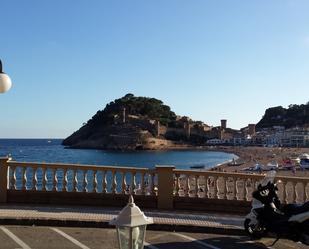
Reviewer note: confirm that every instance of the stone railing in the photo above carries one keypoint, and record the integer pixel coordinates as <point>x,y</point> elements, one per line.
<point>163,187</point>
<point>235,186</point>
<point>80,178</point>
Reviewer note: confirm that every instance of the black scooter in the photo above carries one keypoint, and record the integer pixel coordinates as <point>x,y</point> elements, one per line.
<point>268,215</point>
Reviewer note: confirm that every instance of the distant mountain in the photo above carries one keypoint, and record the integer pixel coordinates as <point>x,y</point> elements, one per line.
<point>294,115</point>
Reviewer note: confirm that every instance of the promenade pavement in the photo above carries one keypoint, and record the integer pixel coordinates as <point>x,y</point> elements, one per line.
<point>71,227</point>
<point>84,216</point>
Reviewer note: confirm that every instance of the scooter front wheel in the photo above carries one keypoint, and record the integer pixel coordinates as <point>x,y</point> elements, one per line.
<point>254,230</point>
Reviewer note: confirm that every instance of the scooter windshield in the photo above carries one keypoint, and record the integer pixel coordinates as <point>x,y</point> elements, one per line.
<point>269,177</point>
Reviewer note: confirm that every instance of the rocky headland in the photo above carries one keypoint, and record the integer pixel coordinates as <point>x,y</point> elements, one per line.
<point>139,123</point>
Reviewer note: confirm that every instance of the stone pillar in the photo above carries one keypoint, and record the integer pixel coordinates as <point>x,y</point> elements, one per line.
<point>3,179</point>
<point>165,186</point>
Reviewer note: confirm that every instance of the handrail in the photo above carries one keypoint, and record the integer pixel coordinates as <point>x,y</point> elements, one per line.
<point>82,166</point>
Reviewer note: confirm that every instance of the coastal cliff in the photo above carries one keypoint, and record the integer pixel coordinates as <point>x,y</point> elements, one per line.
<point>132,123</point>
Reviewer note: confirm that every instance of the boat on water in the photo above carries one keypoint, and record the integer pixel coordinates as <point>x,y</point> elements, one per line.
<point>197,167</point>
<point>304,161</point>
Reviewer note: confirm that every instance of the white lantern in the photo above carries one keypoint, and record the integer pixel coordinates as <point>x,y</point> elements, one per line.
<point>131,226</point>
<point>5,81</point>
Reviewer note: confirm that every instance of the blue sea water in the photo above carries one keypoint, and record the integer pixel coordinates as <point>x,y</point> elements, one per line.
<point>51,150</point>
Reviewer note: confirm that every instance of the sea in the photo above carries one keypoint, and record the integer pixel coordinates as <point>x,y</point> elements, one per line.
<point>51,151</point>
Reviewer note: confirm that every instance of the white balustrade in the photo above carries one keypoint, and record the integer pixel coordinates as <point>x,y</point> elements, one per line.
<point>142,181</point>
<point>80,178</point>
<point>235,186</point>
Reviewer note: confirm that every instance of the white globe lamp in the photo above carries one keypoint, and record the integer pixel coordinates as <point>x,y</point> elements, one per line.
<point>5,81</point>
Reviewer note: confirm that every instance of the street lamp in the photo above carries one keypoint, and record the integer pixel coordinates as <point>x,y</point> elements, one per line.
<point>131,226</point>
<point>5,81</point>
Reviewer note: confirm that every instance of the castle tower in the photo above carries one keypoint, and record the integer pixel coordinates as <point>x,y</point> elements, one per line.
<point>223,123</point>
<point>251,129</point>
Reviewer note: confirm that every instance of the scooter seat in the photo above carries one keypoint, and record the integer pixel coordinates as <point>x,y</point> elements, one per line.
<point>293,209</point>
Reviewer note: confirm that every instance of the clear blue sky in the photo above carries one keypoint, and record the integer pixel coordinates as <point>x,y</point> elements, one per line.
<point>205,59</point>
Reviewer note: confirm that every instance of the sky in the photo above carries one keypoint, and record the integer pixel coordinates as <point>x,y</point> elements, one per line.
<point>206,59</point>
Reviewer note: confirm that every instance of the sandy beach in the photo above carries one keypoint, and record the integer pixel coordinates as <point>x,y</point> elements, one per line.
<point>249,156</point>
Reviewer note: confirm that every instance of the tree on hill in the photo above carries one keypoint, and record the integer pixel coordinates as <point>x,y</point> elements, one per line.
<point>149,107</point>
<point>294,115</point>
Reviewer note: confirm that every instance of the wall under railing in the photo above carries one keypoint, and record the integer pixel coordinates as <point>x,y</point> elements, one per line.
<point>163,187</point>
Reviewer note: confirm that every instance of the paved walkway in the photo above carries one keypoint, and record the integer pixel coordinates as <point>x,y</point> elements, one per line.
<point>99,217</point>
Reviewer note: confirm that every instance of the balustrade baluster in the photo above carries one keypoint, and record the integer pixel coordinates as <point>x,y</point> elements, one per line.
<point>85,181</point>
<point>246,190</point>
<point>237,197</point>
<point>114,182</point>
<point>224,190</point>
<point>95,181</point>
<point>234,192</point>
<point>152,185</point>
<point>23,178</point>
<point>57,179</point>
<point>33,183</point>
<point>36,181</point>
<point>196,186</point>
<point>216,185</point>
<point>133,183</point>
<point>65,180</point>
<point>187,186</point>
<point>12,178</point>
<point>177,187</point>
<point>123,183</point>
<point>306,192</point>
<point>54,178</point>
<point>104,182</point>
<point>294,192</point>
<point>43,179</point>
<point>207,186</point>
<point>143,189</point>
<point>284,192</point>
<point>74,181</point>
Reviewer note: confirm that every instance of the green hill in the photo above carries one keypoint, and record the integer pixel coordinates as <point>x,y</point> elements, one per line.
<point>105,130</point>
<point>294,115</point>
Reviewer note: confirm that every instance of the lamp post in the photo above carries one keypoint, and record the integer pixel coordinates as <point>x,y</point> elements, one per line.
<point>131,226</point>
<point>5,81</point>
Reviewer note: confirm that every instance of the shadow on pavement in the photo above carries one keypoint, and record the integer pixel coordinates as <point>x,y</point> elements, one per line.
<point>221,242</point>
